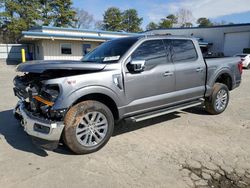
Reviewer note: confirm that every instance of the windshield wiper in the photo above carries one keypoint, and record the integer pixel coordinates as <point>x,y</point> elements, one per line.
<point>89,61</point>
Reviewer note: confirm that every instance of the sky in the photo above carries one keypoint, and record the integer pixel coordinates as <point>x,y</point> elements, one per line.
<point>237,11</point>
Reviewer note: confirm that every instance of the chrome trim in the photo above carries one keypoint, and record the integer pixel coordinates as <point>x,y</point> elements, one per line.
<point>28,121</point>
<point>142,118</point>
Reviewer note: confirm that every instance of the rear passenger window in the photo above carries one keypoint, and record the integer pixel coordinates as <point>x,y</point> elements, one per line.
<point>152,51</point>
<point>183,50</point>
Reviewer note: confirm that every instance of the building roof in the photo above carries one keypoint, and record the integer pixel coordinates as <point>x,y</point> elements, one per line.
<point>58,33</point>
<point>210,27</point>
<point>41,35</point>
<point>80,30</point>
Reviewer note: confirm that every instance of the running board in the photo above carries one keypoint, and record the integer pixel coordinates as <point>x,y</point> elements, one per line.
<point>165,111</point>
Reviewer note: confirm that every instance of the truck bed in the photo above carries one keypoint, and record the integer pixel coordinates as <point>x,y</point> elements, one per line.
<point>218,66</point>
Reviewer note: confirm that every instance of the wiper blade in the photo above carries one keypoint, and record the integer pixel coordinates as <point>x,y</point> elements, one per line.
<point>89,61</point>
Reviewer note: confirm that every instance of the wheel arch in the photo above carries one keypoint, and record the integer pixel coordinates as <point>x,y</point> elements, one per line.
<point>225,78</point>
<point>103,98</point>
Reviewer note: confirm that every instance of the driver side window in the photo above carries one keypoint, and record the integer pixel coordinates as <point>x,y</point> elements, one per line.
<point>152,51</point>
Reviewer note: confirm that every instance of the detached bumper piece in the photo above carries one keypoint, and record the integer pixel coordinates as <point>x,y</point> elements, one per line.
<point>45,133</point>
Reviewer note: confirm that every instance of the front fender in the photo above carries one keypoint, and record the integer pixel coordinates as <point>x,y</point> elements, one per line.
<point>67,101</point>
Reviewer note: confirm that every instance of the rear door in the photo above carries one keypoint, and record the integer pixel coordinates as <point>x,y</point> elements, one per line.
<point>153,87</point>
<point>190,70</point>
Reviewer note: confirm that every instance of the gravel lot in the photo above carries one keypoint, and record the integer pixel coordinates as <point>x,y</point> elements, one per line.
<point>184,149</point>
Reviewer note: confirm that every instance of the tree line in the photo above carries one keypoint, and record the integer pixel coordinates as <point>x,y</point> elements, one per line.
<point>21,15</point>
<point>183,18</point>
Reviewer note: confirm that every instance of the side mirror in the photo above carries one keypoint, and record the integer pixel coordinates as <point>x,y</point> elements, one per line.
<point>136,65</point>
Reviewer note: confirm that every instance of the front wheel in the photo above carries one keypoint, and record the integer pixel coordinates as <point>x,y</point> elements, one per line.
<point>218,101</point>
<point>88,127</point>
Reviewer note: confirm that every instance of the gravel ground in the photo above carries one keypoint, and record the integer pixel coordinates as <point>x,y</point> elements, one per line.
<point>184,149</point>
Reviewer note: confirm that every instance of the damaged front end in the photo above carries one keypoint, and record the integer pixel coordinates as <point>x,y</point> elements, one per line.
<point>42,89</point>
<point>35,108</point>
<point>38,96</point>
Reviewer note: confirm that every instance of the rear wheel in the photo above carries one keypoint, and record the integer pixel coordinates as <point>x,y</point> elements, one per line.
<point>88,127</point>
<point>218,101</point>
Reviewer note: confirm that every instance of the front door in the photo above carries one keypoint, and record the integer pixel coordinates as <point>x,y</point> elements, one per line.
<point>153,87</point>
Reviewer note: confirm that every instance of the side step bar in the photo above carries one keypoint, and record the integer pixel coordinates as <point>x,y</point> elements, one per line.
<point>164,111</point>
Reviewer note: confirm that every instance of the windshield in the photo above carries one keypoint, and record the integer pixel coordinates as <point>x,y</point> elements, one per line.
<point>110,51</point>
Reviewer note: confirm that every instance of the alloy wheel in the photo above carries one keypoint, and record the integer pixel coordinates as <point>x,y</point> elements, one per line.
<point>92,129</point>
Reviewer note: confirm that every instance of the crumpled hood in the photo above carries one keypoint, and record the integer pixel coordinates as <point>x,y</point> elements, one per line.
<point>42,66</point>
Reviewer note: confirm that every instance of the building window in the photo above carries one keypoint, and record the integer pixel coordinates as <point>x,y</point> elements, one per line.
<point>66,49</point>
<point>86,48</point>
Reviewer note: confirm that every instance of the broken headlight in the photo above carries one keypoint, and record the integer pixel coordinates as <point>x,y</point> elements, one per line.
<point>47,97</point>
<point>50,92</point>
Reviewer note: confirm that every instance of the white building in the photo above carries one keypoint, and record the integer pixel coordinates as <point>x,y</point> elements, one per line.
<point>228,39</point>
<point>54,43</point>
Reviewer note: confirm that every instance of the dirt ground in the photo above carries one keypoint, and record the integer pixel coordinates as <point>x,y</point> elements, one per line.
<point>184,149</point>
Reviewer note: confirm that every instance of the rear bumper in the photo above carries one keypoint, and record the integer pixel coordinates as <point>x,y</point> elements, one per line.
<point>39,128</point>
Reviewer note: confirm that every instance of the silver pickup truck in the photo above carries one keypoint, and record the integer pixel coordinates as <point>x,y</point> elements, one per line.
<point>134,78</point>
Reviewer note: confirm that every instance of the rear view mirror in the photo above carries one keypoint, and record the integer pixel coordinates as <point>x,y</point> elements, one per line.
<point>136,65</point>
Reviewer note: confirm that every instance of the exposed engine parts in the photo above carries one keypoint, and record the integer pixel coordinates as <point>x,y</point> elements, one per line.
<point>38,97</point>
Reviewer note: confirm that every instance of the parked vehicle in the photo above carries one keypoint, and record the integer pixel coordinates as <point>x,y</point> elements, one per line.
<point>134,78</point>
<point>245,58</point>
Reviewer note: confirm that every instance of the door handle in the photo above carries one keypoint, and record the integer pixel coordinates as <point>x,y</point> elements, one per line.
<point>199,69</point>
<point>168,73</point>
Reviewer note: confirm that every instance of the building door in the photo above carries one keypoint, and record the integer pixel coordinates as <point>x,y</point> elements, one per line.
<point>86,49</point>
<point>235,43</point>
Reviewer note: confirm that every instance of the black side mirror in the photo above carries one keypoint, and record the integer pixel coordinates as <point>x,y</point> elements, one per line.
<point>136,65</point>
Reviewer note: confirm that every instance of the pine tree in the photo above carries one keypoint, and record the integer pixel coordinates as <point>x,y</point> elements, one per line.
<point>151,26</point>
<point>204,22</point>
<point>62,13</point>
<point>131,22</point>
<point>18,15</point>
<point>168,22</point>
<point>45,12</point>
<point>112,19</point>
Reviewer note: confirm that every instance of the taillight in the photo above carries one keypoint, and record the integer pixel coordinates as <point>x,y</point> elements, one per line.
<point>240,67</point>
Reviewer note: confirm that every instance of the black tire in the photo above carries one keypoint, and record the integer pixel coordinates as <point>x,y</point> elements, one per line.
<point>72,121</point>
<point>210,103</point>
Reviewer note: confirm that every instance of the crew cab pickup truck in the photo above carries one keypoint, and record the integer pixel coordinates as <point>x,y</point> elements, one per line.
<point>133,78</point>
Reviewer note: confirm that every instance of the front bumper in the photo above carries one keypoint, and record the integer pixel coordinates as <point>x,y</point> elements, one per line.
<point>38,127</point>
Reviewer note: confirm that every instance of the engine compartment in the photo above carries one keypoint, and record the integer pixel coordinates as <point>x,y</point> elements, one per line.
<point>38,97</point>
